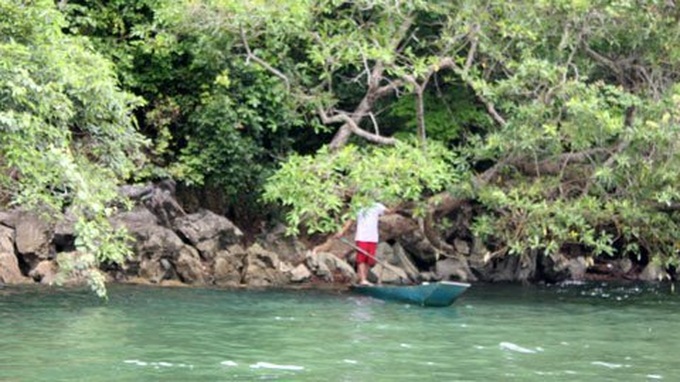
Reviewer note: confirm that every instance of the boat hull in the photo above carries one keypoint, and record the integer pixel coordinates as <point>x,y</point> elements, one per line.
<point>442,293</point>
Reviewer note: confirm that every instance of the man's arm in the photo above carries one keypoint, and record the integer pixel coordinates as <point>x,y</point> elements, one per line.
<point>344,229</point>
<point>327,244</point>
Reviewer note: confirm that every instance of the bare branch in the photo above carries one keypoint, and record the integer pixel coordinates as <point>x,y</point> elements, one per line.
<point>473,48</point>
<point>351,125</point>
<point>262,62</point>
<point>375,123</point>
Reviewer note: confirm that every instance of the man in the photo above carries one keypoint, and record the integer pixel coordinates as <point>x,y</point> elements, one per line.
<point>366,238</point>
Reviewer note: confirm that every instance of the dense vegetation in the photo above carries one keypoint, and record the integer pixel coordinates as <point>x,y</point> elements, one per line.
<point>556,120</point>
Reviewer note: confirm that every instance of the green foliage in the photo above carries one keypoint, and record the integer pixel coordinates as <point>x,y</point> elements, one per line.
<point>323,190</point>
<point>588,145</point>
<point>66,134</point>
<point>578,116</point>
<point>214,119</point>
<point>562,112</point>
<point>241,127</point>
<point>450,113</point>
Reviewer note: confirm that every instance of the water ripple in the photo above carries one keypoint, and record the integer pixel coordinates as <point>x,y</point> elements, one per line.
<point>267,365</point>
<point>516,348</point>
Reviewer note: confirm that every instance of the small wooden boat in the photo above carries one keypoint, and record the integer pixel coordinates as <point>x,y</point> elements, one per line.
<point>442,293</point>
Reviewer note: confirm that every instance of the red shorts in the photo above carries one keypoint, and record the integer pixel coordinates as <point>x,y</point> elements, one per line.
<point>368,247</point>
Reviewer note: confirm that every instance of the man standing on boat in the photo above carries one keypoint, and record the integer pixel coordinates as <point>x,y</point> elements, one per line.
<point>366,238</point>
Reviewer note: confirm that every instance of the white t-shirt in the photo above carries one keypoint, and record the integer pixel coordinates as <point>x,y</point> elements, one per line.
<point>367,223</point>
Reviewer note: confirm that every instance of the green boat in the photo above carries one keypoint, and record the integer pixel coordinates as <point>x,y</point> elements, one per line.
<point>442,293</point>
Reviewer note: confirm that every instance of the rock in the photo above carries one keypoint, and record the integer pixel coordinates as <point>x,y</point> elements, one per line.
<point>300,274</point>
<point>229,266</point>
<point>155,242</point>
<point>64,235</point>
<point>479,257</point>
<point>461,246</point>
<point>152,270</point>
<point>404,261</point>
<point>555,268</point>
<point>160,200</point>
<point>10,273</point>
<point>32,237</point>
<point>8,219</point>
<point>388,274</point>
<point>262,268</point>
<point>9,270</point>
<point>385,253</point>
<point>45,272</point>
<point>451,269</point>
<point>653,272</point>
<point>289,249</point>
<point>70,268</point>
<point>428,276</point>
<point>135,219</point>
<point>577,268</point>
<point>511,268</point>
<point>208,232</point>
<point>624,265</point>
<point>189,267</point>
<point>329,267</point>
<point>418,246</point>
<point>136,192</point>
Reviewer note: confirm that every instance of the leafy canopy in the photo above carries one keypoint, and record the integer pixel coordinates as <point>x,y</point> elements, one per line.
<point>318,189</point>
<point>66,133</point>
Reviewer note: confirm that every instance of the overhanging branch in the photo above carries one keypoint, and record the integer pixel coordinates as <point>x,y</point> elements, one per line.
<point>263,63</point>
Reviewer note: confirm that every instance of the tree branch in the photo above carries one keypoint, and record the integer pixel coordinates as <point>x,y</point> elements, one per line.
<point>262,62</point>
<point>352,126</point>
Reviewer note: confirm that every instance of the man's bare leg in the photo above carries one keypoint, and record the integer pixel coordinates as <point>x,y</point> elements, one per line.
<point>362,269</point>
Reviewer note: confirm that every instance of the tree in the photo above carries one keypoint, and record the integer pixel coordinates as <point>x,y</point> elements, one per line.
<point>67,135</point>
<point>581,95</point>
<point>218,125</point>
<point>570,110</point>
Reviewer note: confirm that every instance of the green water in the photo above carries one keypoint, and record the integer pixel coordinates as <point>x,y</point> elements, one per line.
<point>493,333</point>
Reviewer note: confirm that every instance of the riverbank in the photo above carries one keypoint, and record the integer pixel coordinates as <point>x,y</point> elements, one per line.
<point>171,247</point>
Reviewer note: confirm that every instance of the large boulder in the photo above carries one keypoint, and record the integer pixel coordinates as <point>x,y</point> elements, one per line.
<point>403,260</point>
<point>69,268</point>
<point>300,274</point>
<point>160,252</point>
<point>10,273</point>
<point>228,266</point>
<point>32,238</point>
<point>45,272</point>
<point>388,274</point>
<point>417,245</point>
<point>155,242</point>
<point>8,218</point>
<point>208,232</point>
<point>159,198</point>
<point>136,219</point>
<point>653,272</point>
<point>289,248</point>
<point>189,267</point>
<point>452,268</point>
<point>511,268</point>
<point>329,267</point>
<point>560,267</point>
<point>263,268</point>
<point>578,267</point>
<point>154,270</point>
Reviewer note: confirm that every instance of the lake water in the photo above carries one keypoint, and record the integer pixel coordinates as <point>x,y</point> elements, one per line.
<point>592,332</point>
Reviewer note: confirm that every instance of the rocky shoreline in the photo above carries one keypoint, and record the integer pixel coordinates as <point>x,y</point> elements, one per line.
<point>203,248</point>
